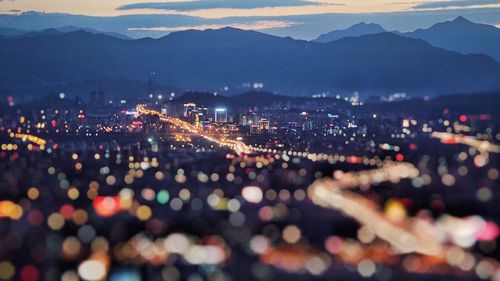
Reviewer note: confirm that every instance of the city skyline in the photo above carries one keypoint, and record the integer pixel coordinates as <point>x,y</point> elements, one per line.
<point>237,140</point>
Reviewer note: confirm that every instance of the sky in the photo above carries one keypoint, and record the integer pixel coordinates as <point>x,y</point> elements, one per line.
<point>298,18</point>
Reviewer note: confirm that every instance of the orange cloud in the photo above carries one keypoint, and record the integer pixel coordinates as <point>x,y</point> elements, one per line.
<point>258,25</point>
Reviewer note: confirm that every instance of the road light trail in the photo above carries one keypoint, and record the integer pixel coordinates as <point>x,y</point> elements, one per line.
<point>27,137</point>
<point>481,145</point>
<point>240,147</point>
<point>333,193</point>
<point>237,146</point>
<point>441,238</point>
<point>412,235</point>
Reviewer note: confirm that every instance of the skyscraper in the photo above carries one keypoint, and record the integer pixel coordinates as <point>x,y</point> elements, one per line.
<point>221,115</point>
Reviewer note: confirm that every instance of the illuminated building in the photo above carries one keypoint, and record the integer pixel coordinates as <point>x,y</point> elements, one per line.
<point>254,129</point>
<point>164,110</point>
<point>307,126</point>
<point>244,120</point>
<point>188,108</point>
<point>264,125</point>
<point>249,119</point>
<point>220,115</point>
<point>194,117</point>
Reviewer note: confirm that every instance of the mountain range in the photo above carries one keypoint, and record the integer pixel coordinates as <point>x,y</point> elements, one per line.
<point>228,58</point>
<point>463,36</point>
<point>353,31</point>
<point>14,32</point>
<point>459,35</point>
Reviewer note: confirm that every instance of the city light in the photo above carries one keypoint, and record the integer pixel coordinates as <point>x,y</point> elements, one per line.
<point>119,178</point>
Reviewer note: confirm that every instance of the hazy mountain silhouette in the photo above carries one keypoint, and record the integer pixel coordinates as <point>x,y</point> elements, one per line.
<point>71,28</point>
<point>463,36</point>
<point>4,32</point>
<point>12,32</point>
<point>353,31</point>
<point>209,60</point>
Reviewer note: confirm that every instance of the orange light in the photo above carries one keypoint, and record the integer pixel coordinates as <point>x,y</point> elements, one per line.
<point>9,209</point>
<point>107,206</point>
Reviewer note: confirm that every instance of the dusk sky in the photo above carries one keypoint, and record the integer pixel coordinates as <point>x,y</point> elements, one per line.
<point>298,18</point>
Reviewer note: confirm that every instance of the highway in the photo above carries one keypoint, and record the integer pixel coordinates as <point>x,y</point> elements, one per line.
<point>237,146</point>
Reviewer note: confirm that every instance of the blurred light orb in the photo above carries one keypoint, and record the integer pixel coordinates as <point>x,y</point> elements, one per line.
<point>259,244</point>
<point>252,194</point>
<point>7,270</point>
<point>106,206</point>
<point>366,268</point>
<point>69,276</point>
<point>176,243</point>
<point>291,234</point>
<point>395,211</point>
<point>92,270</point>
<point>125,275</point>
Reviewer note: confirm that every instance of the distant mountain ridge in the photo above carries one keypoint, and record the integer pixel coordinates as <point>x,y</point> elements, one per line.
<point>353,31</point>
<point>4,32</point>
<point>12,32</point>
<point>214,59</point>
<point>463,36</point>
<point>459,34</point>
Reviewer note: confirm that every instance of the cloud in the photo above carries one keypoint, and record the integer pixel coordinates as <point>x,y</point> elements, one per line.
<point>258,25</point>
<point>217,4</point>
<point>303,26</point>
<point>454,3</point>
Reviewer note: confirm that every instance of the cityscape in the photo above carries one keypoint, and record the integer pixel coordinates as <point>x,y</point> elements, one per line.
<point>272,171</point>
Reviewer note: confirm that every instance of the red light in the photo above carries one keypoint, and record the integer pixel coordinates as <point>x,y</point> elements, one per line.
<point>449,141</point>
<point>407,202</point>
<point>107,206</point>
<point>463,118</point>
<point>413,146</point>
<point>437,205</point>
<point>67,211</point>
<point>29,273</point>
<point>489,232</point>
<point>333,244</point>
<point>354,159</point>
<point>400,157</point>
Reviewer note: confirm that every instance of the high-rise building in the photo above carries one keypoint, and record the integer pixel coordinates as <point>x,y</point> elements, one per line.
<point>307,126</point>
<point>264,125</point>
<point>220,115</point>
<point>249,119</point>
<point>188,109</point>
